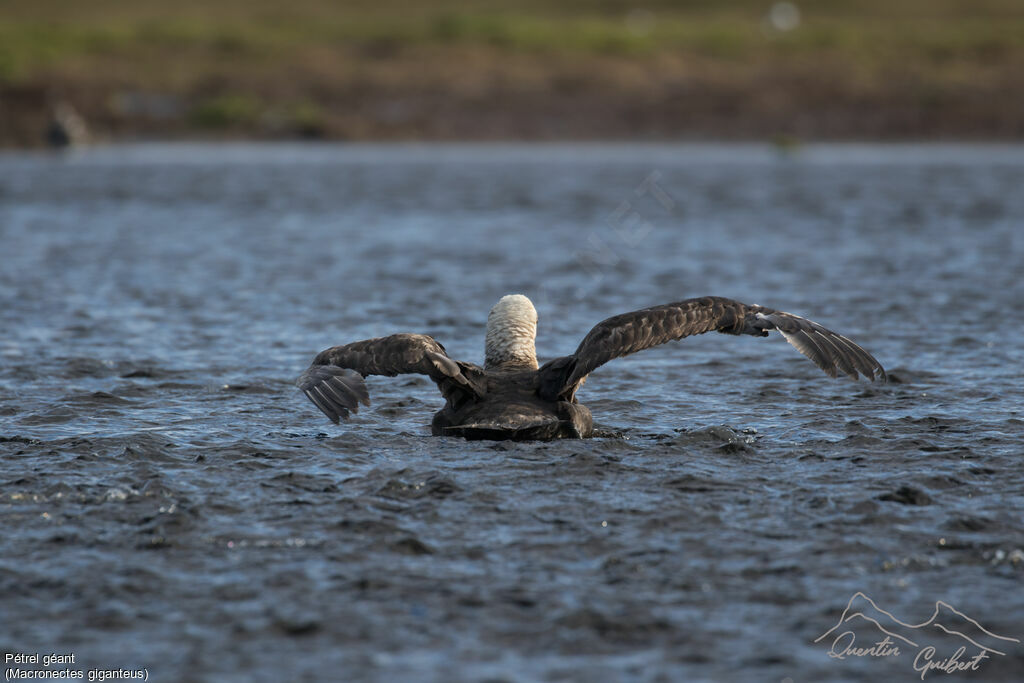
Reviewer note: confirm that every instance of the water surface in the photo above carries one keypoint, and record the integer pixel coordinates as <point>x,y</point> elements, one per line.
<point>170,501</point>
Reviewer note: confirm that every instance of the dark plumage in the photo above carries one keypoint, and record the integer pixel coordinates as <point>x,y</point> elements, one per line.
<point>511,398</point>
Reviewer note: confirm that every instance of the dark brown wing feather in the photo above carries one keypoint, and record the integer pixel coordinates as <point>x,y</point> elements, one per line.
<point>628,333</point>
<point>829,351</point>
<point>334,382</point>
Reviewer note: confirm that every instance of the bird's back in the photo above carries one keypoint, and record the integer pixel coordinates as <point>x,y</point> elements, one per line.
<point>511,409</point>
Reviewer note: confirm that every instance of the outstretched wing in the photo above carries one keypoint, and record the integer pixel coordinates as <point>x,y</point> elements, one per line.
<point>334,382</point>
<point>628,333</point>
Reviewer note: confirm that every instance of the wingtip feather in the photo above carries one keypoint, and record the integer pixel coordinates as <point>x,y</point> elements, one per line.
<point>336,391</point>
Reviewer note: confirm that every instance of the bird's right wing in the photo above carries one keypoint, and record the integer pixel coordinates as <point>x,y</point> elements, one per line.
<point>635,331</point>
<point>334,382</point>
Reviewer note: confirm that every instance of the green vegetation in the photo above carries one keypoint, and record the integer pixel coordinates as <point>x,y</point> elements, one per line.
<point>226,111</point>
<point>35,34</point>
<point>237,64</point>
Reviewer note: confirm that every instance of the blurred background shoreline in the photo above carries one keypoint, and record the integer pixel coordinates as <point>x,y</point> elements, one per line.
<point>113,70</point>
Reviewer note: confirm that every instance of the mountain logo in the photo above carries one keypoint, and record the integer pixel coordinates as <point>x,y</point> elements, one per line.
<point>926,640</point>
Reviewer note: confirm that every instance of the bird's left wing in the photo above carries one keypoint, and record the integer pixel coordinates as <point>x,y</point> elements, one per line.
<point>334,382</point>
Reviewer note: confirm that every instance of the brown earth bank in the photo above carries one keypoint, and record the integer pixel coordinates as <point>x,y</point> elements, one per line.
<point>388,93</point>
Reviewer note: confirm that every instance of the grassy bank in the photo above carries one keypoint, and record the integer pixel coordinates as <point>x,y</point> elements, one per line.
<point>497,69</point>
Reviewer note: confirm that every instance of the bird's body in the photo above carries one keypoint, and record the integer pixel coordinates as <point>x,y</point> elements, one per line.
<point>512,398</point>
<point>511,408</point>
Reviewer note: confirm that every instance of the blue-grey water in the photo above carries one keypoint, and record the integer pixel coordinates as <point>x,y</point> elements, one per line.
<point>170,502</point>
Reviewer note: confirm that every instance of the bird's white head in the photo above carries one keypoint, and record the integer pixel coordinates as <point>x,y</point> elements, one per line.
<point>511,331</point>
